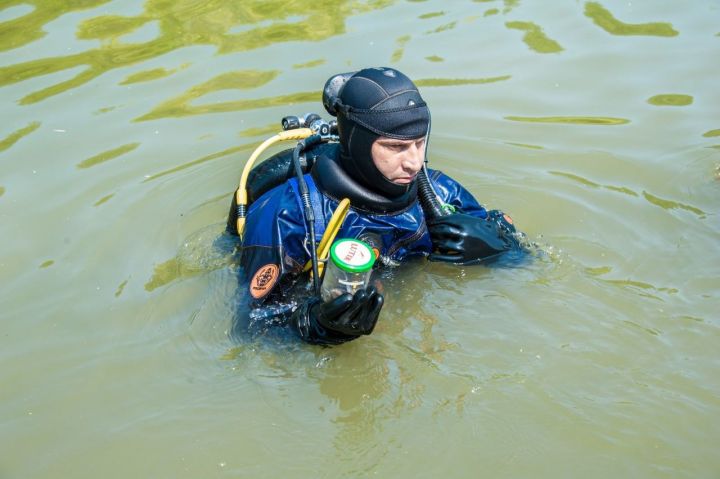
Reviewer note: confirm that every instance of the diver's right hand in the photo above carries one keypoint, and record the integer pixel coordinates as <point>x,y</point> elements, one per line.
<point>353,315</point>
<point>341,319</point>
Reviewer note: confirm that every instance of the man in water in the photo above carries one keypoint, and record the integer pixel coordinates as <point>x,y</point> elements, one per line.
<point>383,125</point>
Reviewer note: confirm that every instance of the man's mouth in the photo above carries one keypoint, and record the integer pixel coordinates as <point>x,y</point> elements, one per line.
<point>405,180</point>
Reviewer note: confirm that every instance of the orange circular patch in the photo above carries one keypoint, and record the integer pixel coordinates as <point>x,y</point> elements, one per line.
<point>507,218</point>
<point>264,280</point>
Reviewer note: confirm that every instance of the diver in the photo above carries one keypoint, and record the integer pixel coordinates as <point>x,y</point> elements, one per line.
<point>397,206</point>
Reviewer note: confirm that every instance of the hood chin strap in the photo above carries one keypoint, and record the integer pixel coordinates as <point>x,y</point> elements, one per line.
<point>334,181</point>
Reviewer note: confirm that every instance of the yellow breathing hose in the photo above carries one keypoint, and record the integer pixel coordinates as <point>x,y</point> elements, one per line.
<point>328,237</point>
<point>241,195</point>
<point>336,220</point>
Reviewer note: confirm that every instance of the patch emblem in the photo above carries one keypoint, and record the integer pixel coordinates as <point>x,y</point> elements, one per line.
<point>264,280</point>
<point>507,218</point>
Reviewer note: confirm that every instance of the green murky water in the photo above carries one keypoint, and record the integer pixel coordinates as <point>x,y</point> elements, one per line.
<point>594,124</point>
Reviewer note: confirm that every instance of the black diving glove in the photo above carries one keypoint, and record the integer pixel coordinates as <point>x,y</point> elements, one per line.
<point>341,319</point>
<point>464,239</point>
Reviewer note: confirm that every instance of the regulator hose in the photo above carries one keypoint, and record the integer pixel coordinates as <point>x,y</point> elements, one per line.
<point>241,197</point>
<point>307,206</point>
<point>428,200</point>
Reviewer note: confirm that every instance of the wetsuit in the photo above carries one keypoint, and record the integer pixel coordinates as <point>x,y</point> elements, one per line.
<point>276,247</point>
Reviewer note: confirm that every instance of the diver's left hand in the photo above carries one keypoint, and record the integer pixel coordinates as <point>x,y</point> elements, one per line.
<point>464,239</point>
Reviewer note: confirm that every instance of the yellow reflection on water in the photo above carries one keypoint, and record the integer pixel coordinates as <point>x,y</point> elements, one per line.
<point>109,27</point>
<point>310,64</point>
<point>189,164</point>
<point>605,20</point>
<point>670,100</point>
<point>180,23</point>
<point>429,82</point>
<point>107,155</point>
<point>104,199</point>
<point>30,27</point>
<point>13,138</point>
<point>586,182</point>
<point>263,131</point>
<point>443,28</point>
<point>237,80</point>
<point>535,38</point>
<point>431,15</point>
<point>573,120</point>
<point>400,50</point>
<point>120,288</point>
<point>672,205</point>
<point>150,75</point>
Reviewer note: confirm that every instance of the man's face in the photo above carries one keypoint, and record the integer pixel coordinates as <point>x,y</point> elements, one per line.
<point>398,160</point>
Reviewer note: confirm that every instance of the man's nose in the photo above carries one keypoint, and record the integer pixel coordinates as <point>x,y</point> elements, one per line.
<point>414,158</point>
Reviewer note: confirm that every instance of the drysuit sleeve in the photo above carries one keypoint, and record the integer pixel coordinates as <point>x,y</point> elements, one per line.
<point>457,237</point>
<point>271,261</point>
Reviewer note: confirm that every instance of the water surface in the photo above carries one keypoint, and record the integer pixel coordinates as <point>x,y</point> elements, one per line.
<point>594,124</point>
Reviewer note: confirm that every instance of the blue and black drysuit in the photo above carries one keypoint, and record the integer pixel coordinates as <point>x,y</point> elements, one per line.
<point>275,245</point>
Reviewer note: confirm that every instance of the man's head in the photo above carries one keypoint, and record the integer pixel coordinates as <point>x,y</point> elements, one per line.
<point>382,122</point>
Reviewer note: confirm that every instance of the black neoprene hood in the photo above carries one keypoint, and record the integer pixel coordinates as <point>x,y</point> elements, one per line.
<point>377,102</point>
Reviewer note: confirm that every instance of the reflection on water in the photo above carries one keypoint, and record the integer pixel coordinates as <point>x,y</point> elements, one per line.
<point>398,53</point>
<point>214,156</point>
<point>150,75</point>
<point>535,38</point>
<point>118,290</point>
<point>104,199</point>
<point>586,182</point>
<point>107,155</point>
<point>430,82</point>
<point>662,203</point>
<point>237,80</point>
<point>671,205</point>
<point>605,20</point>
<point>30,26</point>
<point>13,138</point>
<point>181,23</point>
<point>670,100</point>
<point>573,120</point>
<point>310,64</point>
